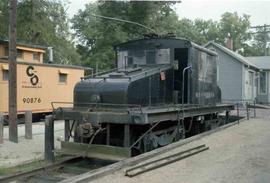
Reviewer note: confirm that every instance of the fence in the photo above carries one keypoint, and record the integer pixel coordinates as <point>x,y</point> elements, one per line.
<point>243,108</point>
<point>28,125</point>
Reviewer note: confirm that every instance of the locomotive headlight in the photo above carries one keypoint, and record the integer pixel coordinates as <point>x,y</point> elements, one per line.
<point>95,98</point>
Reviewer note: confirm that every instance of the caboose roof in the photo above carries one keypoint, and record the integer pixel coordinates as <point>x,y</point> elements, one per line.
<point>24,44</point>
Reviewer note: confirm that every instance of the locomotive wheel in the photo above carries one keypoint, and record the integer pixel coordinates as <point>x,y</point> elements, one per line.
<point>161,138</point>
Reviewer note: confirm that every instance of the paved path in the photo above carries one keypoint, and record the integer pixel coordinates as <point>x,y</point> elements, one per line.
<point>239,154</point>
<point>12,154</point>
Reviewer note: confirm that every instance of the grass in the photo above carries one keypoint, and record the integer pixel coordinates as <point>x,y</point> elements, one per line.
<point>27,166</point>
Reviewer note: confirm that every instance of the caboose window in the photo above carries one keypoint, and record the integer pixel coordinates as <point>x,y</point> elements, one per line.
<point>19,53</point>
<point>5,75</point>
<point>62,78</point>
<point>36,56</point>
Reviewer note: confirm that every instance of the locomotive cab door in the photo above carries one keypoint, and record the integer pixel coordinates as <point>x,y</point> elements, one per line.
<point>180,62</point>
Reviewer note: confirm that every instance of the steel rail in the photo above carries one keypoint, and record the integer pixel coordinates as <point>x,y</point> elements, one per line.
<point>16,176</point>
<point>136,170</point>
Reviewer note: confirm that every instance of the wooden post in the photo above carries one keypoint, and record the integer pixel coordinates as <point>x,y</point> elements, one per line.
<point>49,138</point>
<point>13,130</point>
<point>28,124</point>
<point>67,130</point>
<point>1,128</point>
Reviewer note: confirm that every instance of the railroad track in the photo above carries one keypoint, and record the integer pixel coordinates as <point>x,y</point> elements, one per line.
<point>56,172</point>
<point>151,165</point>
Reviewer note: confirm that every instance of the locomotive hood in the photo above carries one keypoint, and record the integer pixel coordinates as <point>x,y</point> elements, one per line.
<point>125,86</point>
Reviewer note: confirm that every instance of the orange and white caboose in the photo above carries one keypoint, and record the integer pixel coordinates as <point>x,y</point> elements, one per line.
<point>38,84</point>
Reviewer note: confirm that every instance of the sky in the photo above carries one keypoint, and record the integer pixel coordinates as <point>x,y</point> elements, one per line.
<point>207,9</point>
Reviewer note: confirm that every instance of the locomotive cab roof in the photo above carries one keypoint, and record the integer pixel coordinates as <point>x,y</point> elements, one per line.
<point>153,51</point>
<point>160,42</point>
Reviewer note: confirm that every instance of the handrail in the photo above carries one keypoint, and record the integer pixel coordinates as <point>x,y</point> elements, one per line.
<point>98,104</point>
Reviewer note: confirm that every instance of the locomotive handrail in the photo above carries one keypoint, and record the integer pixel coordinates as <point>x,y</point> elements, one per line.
<point>126,77</point>
<point>104,72</point>
<point>151,70</point>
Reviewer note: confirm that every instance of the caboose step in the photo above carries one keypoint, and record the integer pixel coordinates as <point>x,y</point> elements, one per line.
<point>94,151</point>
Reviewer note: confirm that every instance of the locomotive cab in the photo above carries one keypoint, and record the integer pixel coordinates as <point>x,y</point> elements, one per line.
<point>150,72</point>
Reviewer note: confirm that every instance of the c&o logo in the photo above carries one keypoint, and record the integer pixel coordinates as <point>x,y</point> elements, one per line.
<point>30,71</point>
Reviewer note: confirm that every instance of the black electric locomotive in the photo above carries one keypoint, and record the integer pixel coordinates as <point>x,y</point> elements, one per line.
<point>164,89</point>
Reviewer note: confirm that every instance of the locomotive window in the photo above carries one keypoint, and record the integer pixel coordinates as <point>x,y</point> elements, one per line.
<point>150,56</point>
<point>121,59</point>
<point>138,57</point>
<point>142,57</point>
<point>163,56</point>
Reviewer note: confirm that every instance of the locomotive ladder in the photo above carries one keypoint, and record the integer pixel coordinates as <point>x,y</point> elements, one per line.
<point>151,165</point>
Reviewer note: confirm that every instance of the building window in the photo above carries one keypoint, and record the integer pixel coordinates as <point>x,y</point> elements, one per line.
<point>36,56</point>
<point>262,83</point>
<point>19,53</point>
<point>5,75</point>
<point>62,78</point>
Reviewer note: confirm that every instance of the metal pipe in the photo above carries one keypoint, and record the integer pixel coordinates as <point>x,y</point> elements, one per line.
<point>183,84</point>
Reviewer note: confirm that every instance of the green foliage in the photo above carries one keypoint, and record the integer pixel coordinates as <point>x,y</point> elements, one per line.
<point>43,22</point>
<point>237,27</point>
<point>98,36</point>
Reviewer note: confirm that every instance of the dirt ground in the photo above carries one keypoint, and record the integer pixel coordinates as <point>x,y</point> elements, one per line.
<point>12,154</point>
<point>239,154</point>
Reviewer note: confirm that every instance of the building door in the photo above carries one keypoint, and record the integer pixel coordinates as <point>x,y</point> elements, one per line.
<point>250,85</point>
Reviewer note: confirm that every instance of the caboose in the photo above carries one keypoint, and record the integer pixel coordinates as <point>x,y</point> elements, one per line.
<point>164,89</point>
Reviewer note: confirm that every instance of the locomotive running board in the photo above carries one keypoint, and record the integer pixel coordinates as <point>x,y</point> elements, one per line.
<point>98,151</point>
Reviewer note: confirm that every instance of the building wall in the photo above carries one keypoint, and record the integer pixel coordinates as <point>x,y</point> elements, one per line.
<point>230,77</point>
<point>38,96</point>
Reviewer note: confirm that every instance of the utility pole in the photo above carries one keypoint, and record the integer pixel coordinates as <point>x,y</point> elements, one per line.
<point>265,31</point>
<point>13,130</point>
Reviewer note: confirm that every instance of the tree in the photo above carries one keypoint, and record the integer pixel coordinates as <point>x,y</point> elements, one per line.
<point>98,36</point>
<point>238,28</point>
<point>43,22</point>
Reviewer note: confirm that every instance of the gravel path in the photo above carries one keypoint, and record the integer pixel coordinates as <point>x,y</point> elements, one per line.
<point>239,154</point>
<point>12,154</point>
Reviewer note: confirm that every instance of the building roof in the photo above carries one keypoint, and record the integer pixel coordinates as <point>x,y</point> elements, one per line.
<point>262,62</point>
<point>30,45</point>
<point>233,54</point>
